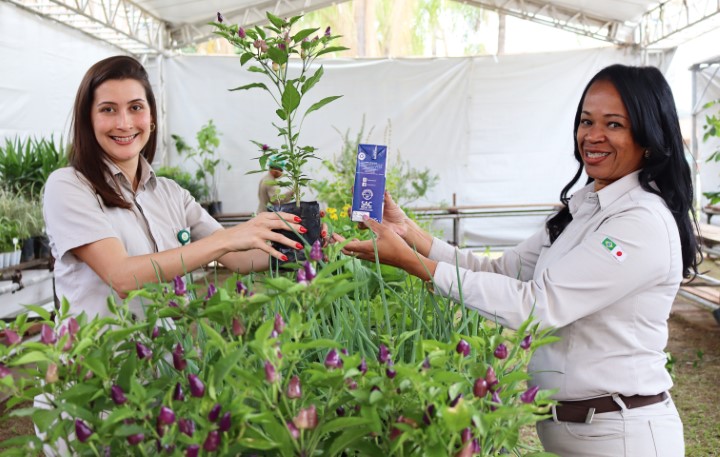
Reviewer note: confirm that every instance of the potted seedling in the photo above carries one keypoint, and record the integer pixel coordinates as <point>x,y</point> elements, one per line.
<point>269,50</point>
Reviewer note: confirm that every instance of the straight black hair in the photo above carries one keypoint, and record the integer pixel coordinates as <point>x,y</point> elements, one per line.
<point>655,127</point>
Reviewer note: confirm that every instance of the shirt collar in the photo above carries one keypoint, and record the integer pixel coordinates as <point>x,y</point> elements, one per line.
<point>147,174</point>
<point>608,194</point>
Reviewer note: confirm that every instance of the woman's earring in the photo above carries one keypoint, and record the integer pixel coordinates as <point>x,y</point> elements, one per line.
<point>152,129</point>
<point>647,153</point>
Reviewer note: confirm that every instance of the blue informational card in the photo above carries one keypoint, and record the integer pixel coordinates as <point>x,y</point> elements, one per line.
<point>369,188</point>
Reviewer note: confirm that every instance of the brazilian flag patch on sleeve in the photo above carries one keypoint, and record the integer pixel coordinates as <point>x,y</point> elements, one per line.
<point>617,252</point>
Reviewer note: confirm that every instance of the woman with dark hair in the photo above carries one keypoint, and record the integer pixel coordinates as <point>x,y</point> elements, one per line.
<point>112,224</point>
<point>604,272</point>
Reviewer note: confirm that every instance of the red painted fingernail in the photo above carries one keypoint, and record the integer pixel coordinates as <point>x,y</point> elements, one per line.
<point>298,246</point>
<point>297,219</point>
<point>283,258</point>
<point>323,233</point>
<point>302,230</point>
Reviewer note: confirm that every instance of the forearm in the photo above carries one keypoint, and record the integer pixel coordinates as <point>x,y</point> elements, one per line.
<point>417,238</point>
<point>246,262</point>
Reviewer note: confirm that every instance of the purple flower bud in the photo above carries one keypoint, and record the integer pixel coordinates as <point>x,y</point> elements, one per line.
<point>11,337</point>
<point>82,431</point>
<point>265,147</point>
<point>279,323</point>
<point>192,451</point>
<point>429,414</point>
<point>73,326</point>
<point>466,435</point>
<point>211,290</point>
<point>463,347</point>
<point>301,276</point>
<point>526,342</point>
<point>179,285</point>
<point>389,371</point>
<point>186,426</point>
<point>383,354</point>
<point>220,17</point>
<point>212,442</point>
<point>333,360</point>
<point>214,412</point>
<point>260,45</point>
<point>495,399</point>
<point>69,341</point>
<point>179,361</point>
<point>363,366</point>
<point>178,393</point>
<point>238,328</point>
<point>327,31</point>
<point>225,422</point>
<point>344,351</point>
<point>306,419</point>
<point>166,416</point>
<point>501,352</point>
<point>456,400</point>
<point>309,271</point>
<point>197,388</point>
<point>4,371</point>
<point>350,382</point>
<point>340,411</point>
<point>241,32</point>
<point>316,251</point>
<point>293,389</point>
<point>480,388</point>
<point>274,334</point>
<point>394,433</point>
<point>294,432</point>
<point>155,332</point>
<point>173,304</point>
<point>282,47</point>
<point>143,352</point>
<point>426,364</point>
<point>491,378</point>
<point>47,335</point>
<point>135,439</point>
<point>476,448</point>
<point>270,375</point>
<point>529,395</point>
<point>117,395</point>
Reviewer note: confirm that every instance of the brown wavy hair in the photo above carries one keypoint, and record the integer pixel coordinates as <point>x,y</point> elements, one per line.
<point>86,155</point>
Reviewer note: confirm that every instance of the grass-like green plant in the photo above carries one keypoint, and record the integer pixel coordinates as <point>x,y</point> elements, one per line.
<point>26,163</point>
<point>307,363</point>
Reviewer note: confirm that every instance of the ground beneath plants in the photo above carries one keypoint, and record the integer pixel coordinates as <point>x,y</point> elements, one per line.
<point>695,348</point>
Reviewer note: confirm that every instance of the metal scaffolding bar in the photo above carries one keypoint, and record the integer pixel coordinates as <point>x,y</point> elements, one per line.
<point>120,23</point>
<point>676,21</point>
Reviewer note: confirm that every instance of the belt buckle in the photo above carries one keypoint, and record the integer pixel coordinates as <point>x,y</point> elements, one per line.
<point>590,415</point>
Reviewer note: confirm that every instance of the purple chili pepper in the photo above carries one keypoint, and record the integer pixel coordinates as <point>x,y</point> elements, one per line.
<point>389,371</point>
<point>466,435</point>
<point>476,448</point>
<point>47,335</point>
<point>526,342</point>
<point>211,290</point>
<point>135,439</point>
<point>316,251</point>
<point>192,451</point>
<point>383,354</point>
<point>429,414</point>
<point>241,32</point>
<point>529,395</point>
<point>166,416</point>
<point>456,400</point>
<point>225,422</point>
<point>350,382</point>
<point>179,285</point>
<point>301,276</point>
<point>496,398</point>
<point>212,442</point>
<point>143,352</point>
<point>186,426</point>
<point>11,337</point>
<point>363,366</point>
<point>178,393</point>
<point>282,47</point>
<point>279,325</point>
<point>426,364</point>
<point>327,31</point>
<point>220,17</point>
<point>155,332</point>
<point>340,411</point>
<point>463,347</point>
<point>238,328</point>
<point>73,326</point>
<point>82,431</point>
<point>491,378</point>
<point>309,271</point>
<point>4,371</point>
<point>501,352</point>
<point>270,375</point>
<point>333,360</point>
<point>214,412</point>
<point>117,394</point>
<point>197,388</point>
<point>480,388</point>
<point>294,432</point>
<point>265,147</point>
<point>293,389</point>
<point>307,418</point>
<point>179,361</point>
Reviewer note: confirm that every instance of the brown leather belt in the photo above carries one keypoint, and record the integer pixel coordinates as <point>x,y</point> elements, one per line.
<point>583,410</point>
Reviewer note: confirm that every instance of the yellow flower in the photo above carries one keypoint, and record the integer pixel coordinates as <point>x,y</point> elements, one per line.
<point>345,209</point>
<point>331,210</point>
<point>334,216</point>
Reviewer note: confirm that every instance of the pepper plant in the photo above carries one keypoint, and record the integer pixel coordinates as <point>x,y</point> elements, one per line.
<point>308,363</point>
<point>285,58</point>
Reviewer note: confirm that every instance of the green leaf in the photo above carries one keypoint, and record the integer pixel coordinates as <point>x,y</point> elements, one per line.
<point>321,103</point>
<point>277,55</point>
<point>78,391</point>
<point>311,81</point>
<point>281,114</point>
<point>116,416</point>
<point>332,49</point>
<point>276,21</point>
<point>342,423</point>
<point>345,439</point>
<point>30,357</point>
<point>302,34</point>
<point>42,312</point>
<point>311,344</point>
<point>246,57</point>
<point>290,98</point>
<point>224,365</point>
<point>96,366</point>
<point>255,443</point>
<point>250,86</point>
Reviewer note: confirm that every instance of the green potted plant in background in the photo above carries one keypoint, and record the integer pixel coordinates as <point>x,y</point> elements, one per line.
<point>205,156</point>
<point>285,59</point>
<point>25,164</point>
<point>197,188</point>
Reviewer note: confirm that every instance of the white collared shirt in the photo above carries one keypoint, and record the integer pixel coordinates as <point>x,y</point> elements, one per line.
<point>76,216</point>
<point>606,284</point>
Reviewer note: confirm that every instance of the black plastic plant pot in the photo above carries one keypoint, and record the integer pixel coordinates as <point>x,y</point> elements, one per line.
<point>309,212</point>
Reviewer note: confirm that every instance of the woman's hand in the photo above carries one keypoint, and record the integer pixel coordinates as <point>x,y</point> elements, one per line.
<point>258,231</point>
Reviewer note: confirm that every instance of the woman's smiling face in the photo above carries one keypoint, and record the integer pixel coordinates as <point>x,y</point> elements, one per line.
<point>122,121</point>
<point>604,136</point>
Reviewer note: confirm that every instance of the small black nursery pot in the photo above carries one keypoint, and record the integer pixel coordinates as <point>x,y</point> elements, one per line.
<point>309,212</point>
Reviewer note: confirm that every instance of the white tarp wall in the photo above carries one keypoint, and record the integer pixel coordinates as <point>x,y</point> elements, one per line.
<point>496,131</point>
<point>708,89</point>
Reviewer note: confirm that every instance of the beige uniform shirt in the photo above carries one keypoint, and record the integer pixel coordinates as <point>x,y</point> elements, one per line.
<point>75,216</point>
<point>270,193</point>
<point>606,284</point>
